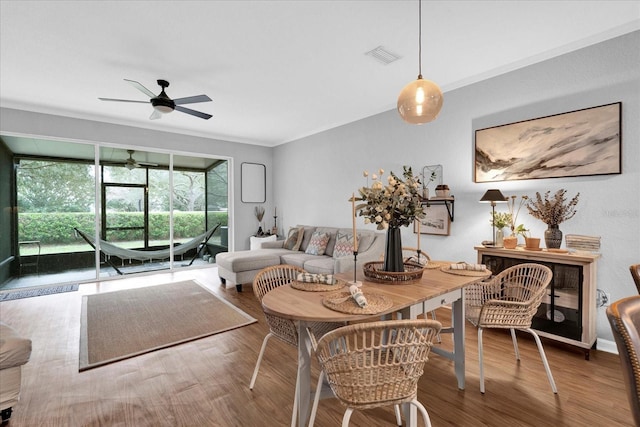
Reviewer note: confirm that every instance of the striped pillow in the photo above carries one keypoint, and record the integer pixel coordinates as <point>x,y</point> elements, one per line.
<point>344,245</point>
<point>318,243</point>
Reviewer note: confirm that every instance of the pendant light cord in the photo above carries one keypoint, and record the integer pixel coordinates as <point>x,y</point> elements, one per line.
<point>419,39</point>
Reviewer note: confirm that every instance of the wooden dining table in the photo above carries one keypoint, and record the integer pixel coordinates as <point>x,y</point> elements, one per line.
<point>436,288</point>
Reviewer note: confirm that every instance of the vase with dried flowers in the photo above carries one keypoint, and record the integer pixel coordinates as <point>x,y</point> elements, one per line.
<point>553,211</point>
<point>390,207</point>
<point>259,213</point>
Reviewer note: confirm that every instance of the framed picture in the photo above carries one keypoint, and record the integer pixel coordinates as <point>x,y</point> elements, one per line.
<point>437,221</point>
<point>577,143</point>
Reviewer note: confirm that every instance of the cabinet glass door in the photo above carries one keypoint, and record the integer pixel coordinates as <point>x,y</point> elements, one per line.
<point>560,311</point>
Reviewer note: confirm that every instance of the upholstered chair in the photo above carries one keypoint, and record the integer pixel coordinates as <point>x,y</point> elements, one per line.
<point>624,318</point>
<point>635,273</point>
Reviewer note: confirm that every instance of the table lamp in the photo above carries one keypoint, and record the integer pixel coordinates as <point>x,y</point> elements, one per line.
<point>493,196</point>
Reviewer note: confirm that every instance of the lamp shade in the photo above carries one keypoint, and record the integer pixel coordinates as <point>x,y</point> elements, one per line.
<point>493,196</point>
<point>420,101</point>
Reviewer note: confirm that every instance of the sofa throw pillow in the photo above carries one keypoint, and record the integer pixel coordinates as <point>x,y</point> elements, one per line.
<point>344,245</point>
<point>294,238</point>
<point>318,243</point>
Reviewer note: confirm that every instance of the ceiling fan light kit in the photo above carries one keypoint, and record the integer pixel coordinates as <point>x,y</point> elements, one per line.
<point>162,104</point>
<point>421,100</point>
<point>132,164</point>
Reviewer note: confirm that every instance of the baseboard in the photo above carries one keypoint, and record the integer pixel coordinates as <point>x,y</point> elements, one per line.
<point>606,345</point>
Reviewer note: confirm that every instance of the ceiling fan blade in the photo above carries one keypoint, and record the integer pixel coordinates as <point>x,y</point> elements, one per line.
<point>123,100</point>
<point>192,99</point>
<point>141,88</point>
<point>155,115</point>
<point>194,112</point>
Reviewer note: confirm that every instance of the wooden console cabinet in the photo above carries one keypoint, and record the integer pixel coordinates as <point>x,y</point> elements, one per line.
<point>568,313</point>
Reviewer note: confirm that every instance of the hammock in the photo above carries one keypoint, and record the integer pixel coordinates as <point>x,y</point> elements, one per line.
<point>109,249</point>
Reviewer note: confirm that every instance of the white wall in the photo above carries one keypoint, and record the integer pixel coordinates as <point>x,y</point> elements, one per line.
<point>315,176</point>
<point>25,123</point>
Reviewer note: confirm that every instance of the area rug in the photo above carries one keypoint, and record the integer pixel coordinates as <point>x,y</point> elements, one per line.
<point>122,324</point>
<point>28,293</point>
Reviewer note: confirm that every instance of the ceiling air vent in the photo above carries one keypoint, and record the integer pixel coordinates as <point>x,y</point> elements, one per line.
<point>383,55</point>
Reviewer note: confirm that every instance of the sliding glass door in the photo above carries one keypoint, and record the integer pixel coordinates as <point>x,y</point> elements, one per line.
<point>135,201</point>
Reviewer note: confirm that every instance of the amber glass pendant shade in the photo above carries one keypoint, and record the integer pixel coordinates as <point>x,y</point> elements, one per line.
<point>420,101</point>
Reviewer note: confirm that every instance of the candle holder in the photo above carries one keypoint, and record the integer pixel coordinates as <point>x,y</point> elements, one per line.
<point>355,270</point>
<point>274,230</point>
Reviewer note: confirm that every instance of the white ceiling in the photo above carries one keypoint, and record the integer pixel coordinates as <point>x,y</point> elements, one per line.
<point>276,70</point>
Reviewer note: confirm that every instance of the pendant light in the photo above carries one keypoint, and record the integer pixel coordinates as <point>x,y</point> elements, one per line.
<point>421,100</point>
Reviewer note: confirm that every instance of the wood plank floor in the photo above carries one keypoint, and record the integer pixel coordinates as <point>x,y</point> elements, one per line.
<point>205,382</point>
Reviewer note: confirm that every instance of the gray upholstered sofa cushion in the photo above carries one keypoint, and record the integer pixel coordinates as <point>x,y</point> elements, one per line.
<point>242,266</point>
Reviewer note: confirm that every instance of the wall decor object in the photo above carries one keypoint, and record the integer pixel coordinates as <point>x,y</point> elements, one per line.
<point>253,183</point>
<point>436,221</point>
<point>577,143</point>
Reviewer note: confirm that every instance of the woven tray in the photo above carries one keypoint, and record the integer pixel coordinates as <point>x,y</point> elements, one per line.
<point>318,287</point>
<point>342,302</point>
<point>373,271</point>
<point>431,265</point>
<point>472,273</point>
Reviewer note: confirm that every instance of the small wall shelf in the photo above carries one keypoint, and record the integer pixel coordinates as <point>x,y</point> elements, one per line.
<point>449,202</point>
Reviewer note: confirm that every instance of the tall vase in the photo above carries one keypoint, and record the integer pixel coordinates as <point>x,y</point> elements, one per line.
<point>553,236</point>
<point>499,237</point>
<point>393,251</point>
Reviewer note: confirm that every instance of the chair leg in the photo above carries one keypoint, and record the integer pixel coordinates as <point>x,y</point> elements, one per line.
<point>396,408</point>
<point>423,411</point>
<point>257,368</point>
<point>543,356</point>
<point>433,316</point>
<point>515,343</point>
<point>480,360</point>
<point>316,399</point>
<point>346,417</point>
<point>294,416</point>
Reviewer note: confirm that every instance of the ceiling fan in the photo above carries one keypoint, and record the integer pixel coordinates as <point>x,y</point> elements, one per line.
<point>162,104</point>
<point>131,163</point>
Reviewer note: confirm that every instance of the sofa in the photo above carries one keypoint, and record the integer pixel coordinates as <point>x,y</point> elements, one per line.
<point>15,351</point>
<point>302,247</point>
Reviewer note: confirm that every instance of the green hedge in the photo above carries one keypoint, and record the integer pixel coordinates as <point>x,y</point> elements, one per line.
<point>57,228</point>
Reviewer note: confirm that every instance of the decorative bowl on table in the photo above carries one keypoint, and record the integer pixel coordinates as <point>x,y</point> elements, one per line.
<point>412,273</point>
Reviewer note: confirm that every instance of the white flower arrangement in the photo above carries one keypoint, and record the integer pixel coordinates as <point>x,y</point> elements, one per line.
<point>393,205</point>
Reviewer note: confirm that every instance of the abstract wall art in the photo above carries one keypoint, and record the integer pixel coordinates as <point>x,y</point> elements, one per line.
<point>577,143</point>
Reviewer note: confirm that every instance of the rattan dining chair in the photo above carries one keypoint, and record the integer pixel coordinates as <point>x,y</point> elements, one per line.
<point>509,301</point>
<point>283,329</point>
<point>624,319</point>
<point>635,273</point>
<point>375,364</point>
<point>415,255</point>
